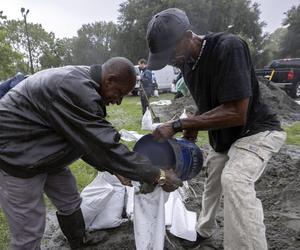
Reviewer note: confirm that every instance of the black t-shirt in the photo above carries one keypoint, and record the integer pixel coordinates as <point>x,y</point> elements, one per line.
<point>225,73</point>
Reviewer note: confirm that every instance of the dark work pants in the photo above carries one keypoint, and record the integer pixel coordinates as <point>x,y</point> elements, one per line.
<point>23,204</point>
<point>144,102</point>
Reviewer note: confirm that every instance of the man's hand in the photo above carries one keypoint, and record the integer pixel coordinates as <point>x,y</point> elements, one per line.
<point>190,135</point>
<point>125,181</point>
<point>163,131</point>
<point>172,181</point>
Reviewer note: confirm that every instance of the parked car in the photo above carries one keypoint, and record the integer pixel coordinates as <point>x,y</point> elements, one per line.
<point>285,73</point>
<point>165,77</point>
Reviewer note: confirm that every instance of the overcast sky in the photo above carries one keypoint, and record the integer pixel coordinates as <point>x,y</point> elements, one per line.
<point>65,17</point>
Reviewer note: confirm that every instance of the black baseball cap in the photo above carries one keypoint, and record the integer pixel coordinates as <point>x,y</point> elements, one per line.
<point>164,30</point>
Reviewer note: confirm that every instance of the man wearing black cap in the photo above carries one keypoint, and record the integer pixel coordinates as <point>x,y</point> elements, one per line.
<point>243,132</point>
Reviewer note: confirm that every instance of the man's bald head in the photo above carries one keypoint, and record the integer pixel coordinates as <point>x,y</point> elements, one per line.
<point>118,79</point>
<point>122,68</point>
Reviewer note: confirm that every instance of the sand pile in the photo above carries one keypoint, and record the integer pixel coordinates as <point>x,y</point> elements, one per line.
<point>285,107</point>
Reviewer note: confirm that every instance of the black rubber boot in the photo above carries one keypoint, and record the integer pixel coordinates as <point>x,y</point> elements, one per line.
<point>73,227</point>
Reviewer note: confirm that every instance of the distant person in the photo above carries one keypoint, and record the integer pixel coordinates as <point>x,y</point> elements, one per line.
<point>10,83</point>
<point>147,87</point>
<point>53,118</point>
<point>243,132</point>
<point>180,87</point>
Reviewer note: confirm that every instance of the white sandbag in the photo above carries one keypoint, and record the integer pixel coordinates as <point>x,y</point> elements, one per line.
<point>94,197</point>
<point>183,115</point>
<point>161,103</point>
<point>169,210</point>
<point>156,211</point>
<point>149,220</point>
<point>127,135</point>
<point>147,120</point>
<point>110,215</point>
<point>184,191</point>
<point>183,222</point>
<point>129,197</point>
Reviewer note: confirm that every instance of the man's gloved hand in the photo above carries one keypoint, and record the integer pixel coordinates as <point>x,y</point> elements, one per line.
<point>163,131</point>
<point>190,135</point>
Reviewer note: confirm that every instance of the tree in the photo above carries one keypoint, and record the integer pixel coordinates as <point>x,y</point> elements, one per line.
<point>11,61</point>
<point>43,44</point>
<point>290,45</point>
<point>95,43</point>
<point>271,46</point>
<point>65,48</point>
<point>236,16</point>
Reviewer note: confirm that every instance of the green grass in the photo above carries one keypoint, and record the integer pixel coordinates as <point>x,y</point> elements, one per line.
<point>127,116</point>
<point>4,236</point>
<point>293,134</point>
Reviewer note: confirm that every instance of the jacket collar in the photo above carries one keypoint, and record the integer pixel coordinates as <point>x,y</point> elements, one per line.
<point>96,73</point>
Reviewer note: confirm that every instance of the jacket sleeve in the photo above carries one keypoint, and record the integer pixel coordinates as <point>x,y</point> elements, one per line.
<point>147,79</point>
<point>77,114</point>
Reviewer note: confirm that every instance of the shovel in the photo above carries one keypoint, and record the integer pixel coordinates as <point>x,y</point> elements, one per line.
<point>156,119</point>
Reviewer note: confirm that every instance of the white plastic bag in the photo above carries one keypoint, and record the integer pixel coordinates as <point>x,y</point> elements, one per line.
<point>179,221</point>
<point>99,212</point>
<point>129,195</point>
<point>149,220</point>
<point>184,191</point>
<point>94,197</point>
<point>183,115</point>
<point>161,103</point>
<point>147,120</point>
<point>111,214</point>
<point>129,135</point>
<point>153,212</point>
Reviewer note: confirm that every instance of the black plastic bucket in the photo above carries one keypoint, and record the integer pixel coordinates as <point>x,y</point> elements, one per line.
<point>184,156</point>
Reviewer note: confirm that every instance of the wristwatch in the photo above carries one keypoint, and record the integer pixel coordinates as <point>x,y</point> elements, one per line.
<point>176,126</point>
<point>162,178</point>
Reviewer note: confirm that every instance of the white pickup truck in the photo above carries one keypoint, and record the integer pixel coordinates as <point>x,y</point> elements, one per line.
<point>164,78</point>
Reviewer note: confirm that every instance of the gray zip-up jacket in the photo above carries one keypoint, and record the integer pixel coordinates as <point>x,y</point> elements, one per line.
<point>55,117</point>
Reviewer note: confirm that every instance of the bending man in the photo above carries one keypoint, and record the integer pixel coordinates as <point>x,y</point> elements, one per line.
<point>48,121</point>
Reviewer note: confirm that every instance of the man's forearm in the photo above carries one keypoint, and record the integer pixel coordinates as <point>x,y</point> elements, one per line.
<point>224,116</point>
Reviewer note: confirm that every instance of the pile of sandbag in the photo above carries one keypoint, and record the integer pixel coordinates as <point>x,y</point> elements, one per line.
<point>105,199</point>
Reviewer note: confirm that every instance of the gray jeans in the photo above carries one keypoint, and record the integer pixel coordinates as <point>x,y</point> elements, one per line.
<point>234,174</point>
<point>23,204</point>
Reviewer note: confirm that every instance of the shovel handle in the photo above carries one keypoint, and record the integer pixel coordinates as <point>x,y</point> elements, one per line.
<point>155,118</point>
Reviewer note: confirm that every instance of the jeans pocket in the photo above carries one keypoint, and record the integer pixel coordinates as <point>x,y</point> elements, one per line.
<point>253,149</point>
<point>247,160</point>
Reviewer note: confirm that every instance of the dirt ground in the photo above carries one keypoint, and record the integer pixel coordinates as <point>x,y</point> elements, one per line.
<point>278,189</point>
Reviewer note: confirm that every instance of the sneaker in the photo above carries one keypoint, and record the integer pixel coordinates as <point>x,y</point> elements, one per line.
<point>188,244</point>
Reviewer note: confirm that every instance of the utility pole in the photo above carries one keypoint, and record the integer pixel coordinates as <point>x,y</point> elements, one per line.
<point>24,14</point>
